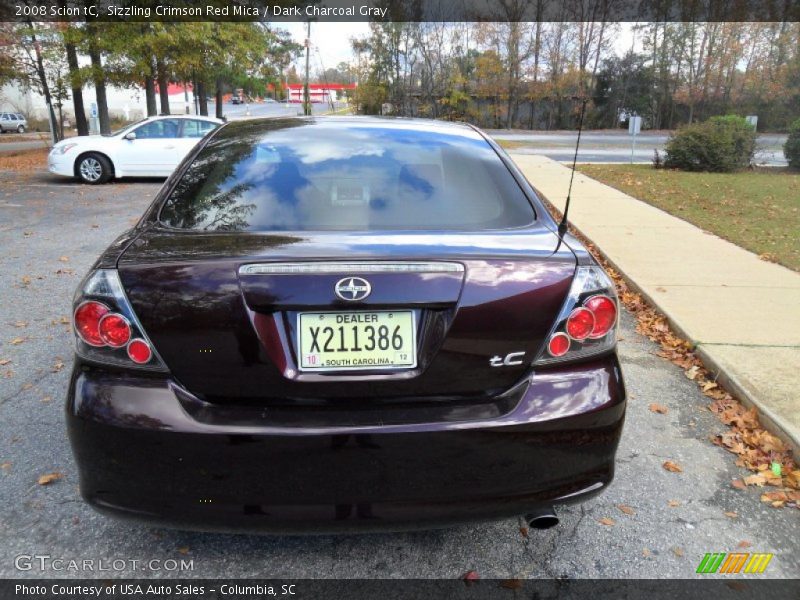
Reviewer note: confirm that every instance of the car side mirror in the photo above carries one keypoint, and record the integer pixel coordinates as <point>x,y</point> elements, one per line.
<point>130,136</point>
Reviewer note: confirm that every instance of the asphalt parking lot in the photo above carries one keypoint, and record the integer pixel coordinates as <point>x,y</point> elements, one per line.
<point>52,230</point>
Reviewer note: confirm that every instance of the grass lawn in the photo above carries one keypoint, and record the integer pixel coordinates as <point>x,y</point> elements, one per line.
<point>511,144</point>
<point>758,210</point>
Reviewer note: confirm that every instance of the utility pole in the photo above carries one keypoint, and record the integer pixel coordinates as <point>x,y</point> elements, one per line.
<point>306,97</point>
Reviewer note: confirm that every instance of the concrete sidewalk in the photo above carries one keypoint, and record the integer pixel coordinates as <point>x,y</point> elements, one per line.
<point>742,313</point>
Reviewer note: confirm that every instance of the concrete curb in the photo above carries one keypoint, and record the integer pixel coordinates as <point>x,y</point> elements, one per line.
<point>769,420</point>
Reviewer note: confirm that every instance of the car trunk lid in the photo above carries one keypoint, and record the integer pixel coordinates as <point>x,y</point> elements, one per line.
<point>227,330</point>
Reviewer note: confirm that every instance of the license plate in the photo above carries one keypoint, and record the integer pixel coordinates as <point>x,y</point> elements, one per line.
<point>358,340</point>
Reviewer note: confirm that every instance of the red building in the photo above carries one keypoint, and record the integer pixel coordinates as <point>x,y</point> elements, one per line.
<point>319,92</point>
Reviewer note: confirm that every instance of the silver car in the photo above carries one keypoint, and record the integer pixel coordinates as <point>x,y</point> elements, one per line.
<point>13,122</point>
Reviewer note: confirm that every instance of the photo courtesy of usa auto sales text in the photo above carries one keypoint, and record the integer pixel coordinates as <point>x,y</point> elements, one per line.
<point>136,590</point>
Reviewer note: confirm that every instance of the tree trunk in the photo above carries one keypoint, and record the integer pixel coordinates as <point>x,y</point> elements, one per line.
<point>60,122</point>
<point>100,89</point>
<point>77,90</point>
<point>43,81</point>
<point>218,98</point>
<point>163,87</point>
<point>150,91</point>
<point>201,97</point>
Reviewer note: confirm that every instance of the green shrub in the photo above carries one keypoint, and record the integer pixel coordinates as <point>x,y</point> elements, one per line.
<point>721,144</point>
<point>791,149</point>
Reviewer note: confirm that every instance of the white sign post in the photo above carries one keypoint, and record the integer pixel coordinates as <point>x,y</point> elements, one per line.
<point>94,123</point>
<point>634,127</point>
<point>752,120</point>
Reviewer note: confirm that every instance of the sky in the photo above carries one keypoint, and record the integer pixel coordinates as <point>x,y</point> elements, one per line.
<point>333,41</point>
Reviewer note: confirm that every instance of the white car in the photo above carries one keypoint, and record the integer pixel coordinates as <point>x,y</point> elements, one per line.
<point>149,148</point>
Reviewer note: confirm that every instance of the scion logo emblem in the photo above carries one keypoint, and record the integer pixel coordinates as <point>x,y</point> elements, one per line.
<point>352,288</point>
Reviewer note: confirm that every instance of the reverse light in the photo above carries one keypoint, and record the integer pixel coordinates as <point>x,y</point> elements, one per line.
<point>586,324</point>
<point>107,330</point>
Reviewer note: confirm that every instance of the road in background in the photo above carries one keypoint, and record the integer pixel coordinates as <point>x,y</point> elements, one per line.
<point>275,109</point>
<point>607,146</point>
<point>610,146</point>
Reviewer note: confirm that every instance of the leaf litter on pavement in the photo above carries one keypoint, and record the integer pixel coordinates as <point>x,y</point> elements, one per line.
<point>756,449</point>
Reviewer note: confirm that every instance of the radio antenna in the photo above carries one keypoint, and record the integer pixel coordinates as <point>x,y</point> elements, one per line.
<point>562,227</point>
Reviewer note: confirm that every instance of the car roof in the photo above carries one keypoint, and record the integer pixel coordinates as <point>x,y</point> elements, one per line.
<point>265,124</point>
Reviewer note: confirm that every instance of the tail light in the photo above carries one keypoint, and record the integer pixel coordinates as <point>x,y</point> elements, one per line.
<point>106,328</point>
<point>587,322</point>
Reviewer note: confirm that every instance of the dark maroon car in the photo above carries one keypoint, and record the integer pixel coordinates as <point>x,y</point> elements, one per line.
<point>327,324</point>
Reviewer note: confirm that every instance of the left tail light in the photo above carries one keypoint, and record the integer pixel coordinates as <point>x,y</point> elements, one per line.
<point>587,323</point>
<point>106,328</point>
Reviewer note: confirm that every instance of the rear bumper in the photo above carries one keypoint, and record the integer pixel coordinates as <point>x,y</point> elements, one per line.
<point>143,455</point>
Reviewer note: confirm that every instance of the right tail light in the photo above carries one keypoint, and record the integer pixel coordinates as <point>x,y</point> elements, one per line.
<point>587,323</point>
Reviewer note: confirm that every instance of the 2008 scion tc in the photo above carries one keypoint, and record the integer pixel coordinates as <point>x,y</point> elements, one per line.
<point>330,324</point>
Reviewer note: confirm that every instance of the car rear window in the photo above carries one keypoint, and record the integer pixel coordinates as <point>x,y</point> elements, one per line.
<point>304,175</point>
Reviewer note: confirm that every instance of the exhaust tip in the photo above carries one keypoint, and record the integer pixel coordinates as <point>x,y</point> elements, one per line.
<point>542,520</point>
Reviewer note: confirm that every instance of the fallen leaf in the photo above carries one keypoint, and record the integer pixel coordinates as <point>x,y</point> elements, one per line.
<point>673,503</point>
<point>626,509</point>
<point>470,577</point>
<point>523,531</point>
<point>677,551</point>
<point>57,367</point>
<point>758,479</point>
<point>511,584</point>
<point>738,484</point>
<point>26,280</point>
<point>731,514</point>
<point>64,259</point>
<point>184,549</point>
<point>775,497</point>
<point>607,521</point>
<point>646,552</point>
<point>4,362</point>
<point>5,466</point>
<point>46,399</point>
<point>21,324</point>
<point>49,478</point>
<point>672,467</point>
<point>755,448</point>
<point>17,340</point>
<point>658,408</point>
<point>744,544</point>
